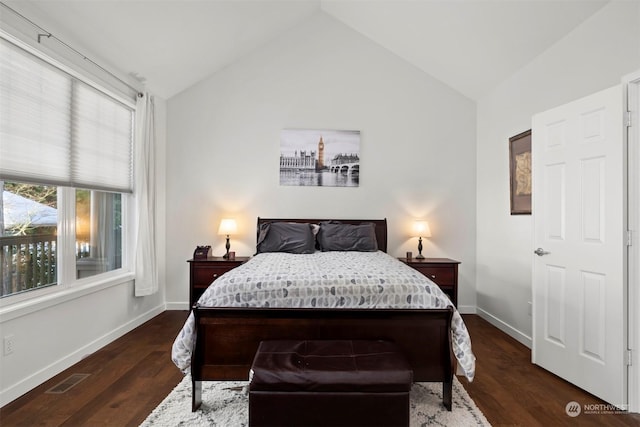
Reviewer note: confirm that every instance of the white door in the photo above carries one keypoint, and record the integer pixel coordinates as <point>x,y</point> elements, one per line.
<point>579,283</point>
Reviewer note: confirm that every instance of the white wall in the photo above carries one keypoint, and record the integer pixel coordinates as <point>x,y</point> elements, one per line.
<point>593,57</point>
<point>417,148</point>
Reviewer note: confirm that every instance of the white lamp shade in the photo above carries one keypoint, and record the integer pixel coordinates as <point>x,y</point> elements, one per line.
<point>228,226</point>
<point>421,229</point>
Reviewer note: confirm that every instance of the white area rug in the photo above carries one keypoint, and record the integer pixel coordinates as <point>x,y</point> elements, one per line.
<point>226,404</point>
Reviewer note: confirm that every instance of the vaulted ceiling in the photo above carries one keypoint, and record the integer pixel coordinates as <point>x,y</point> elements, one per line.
<point>470,45</point>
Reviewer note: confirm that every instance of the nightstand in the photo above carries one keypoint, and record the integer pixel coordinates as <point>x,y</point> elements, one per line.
<point>204,271</point>
<point>442,271</point>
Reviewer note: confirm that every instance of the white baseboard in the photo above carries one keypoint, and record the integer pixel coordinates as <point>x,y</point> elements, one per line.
<point>467,309</point>
<point>507,329</point>
<point>29,383</point>
<point>178,306</point>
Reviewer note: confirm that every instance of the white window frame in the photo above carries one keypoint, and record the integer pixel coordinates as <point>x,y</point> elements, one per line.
<point>68,287</point>
<point>66,270</point>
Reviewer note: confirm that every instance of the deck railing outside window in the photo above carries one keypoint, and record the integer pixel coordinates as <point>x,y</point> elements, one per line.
<point>30,262</point>
<point>27,262</point>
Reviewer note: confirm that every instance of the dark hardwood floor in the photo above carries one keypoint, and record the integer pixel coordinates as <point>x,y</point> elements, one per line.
<point>511,391</point>
<point>128,378</point>
<point>131,376</point>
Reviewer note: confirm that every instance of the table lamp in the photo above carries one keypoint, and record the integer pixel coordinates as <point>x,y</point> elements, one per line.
<point>421,229</point>
<point>227,227</point>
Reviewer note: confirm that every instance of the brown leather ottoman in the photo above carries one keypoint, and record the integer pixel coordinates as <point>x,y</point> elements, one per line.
<point>329,383</point>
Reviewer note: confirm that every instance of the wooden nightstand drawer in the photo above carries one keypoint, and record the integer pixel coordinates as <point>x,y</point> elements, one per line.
<point>443,276</point>
<point>204,271</point>
<point>442,271</point>
<point>203,275</point>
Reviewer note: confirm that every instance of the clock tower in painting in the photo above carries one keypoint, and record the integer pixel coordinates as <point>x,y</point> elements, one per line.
<point>321,154</point>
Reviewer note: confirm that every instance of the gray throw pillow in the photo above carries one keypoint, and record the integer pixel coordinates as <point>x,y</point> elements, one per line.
<point>336,236</point>
<point>290,237</point>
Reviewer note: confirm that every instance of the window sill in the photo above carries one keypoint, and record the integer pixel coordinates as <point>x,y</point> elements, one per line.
<point>14,307</point>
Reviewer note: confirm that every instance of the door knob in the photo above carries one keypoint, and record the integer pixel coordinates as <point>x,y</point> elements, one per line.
<point>540,252</point>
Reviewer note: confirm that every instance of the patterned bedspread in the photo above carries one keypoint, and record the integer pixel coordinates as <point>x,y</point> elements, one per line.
<point>326,280</point>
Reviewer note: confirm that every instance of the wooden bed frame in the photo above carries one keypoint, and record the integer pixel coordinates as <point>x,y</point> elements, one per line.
<point>227,338</point>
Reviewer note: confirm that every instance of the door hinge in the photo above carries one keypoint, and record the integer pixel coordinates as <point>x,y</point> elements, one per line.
<point>629,238</point>
<point>627,118</point>
<point>629,358</point>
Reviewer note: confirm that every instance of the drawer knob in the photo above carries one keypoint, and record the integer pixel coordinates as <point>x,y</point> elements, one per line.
<point>433,276</point>
<point>215,276</point>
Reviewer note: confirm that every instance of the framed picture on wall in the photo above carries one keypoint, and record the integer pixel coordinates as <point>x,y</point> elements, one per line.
<point>520,173</point>
<point>321,158</point>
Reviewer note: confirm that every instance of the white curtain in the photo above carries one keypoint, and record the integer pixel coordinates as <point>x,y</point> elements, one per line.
<point>146,265</point>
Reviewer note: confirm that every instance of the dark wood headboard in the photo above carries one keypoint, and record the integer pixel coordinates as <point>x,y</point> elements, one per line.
<point>380,224</point>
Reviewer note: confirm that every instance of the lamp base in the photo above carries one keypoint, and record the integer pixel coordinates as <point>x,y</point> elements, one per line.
<point>420,256</point>
<point>227,246</point>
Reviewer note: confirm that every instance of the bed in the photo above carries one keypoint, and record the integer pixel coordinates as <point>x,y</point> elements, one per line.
<point>321,279</point>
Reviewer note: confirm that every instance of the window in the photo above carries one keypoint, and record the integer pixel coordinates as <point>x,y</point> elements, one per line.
<point>98,243</point>
<point>29,223</point>
<point>31,244</point>
<point>65,174</point>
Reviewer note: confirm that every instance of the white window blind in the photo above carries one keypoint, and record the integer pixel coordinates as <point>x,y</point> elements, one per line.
<point>58,130</point>
<point>102,132</point>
